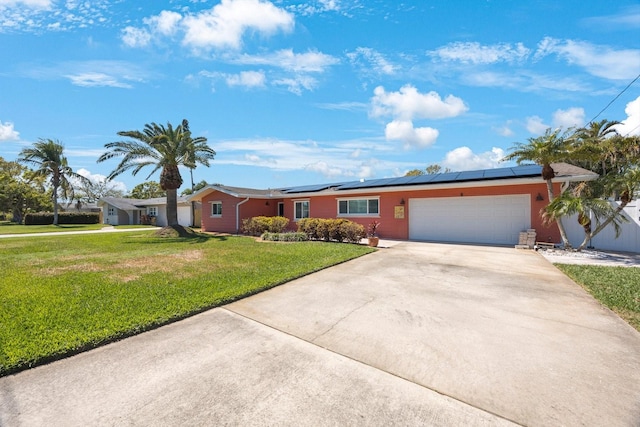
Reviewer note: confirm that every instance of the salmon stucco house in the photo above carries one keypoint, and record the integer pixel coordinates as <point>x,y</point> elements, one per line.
<point>489,206</point>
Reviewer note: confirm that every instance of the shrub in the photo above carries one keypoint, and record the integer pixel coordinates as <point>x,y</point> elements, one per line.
<point>339,230</point>
<point>46,218</point>
<point>285,237</point>
<point>258,225</point>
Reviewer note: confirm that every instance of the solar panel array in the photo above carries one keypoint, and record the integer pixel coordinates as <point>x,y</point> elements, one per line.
<point>447,177</point>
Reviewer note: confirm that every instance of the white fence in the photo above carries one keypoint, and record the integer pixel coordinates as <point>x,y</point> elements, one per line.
<point>629,240</point>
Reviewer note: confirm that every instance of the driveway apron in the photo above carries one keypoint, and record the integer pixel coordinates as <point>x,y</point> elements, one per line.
<point>415,334</point>
<point>499,329</point>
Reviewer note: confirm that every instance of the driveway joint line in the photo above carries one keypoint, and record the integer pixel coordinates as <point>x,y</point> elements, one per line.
<point>226,308</point>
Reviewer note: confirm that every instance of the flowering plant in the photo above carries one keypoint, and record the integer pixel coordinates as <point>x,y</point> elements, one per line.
<point>373,228</point>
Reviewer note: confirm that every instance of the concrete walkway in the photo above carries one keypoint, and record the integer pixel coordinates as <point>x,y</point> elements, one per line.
<point>414,334</point>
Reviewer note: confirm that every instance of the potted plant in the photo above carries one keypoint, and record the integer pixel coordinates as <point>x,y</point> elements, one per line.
<point>372,233</point>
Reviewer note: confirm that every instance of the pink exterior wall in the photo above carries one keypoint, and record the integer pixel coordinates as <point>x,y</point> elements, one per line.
<point>326,206</point>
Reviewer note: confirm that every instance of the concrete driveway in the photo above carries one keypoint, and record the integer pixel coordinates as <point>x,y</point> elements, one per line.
<point>415,334</point>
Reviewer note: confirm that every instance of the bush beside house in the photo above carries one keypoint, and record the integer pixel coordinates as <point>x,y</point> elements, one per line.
<point>46,218</point>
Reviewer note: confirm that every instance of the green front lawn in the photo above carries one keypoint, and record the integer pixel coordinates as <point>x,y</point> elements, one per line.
<point>64,294</point>
<point>13,228</point>
<point>618,288</point>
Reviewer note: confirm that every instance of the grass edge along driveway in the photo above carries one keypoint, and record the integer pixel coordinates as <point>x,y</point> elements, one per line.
<point>61,295</point>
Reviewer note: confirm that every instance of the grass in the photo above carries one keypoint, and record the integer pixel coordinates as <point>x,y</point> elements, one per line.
<point>13,228</point>
<point>65,294</point>
<point>618,288</point>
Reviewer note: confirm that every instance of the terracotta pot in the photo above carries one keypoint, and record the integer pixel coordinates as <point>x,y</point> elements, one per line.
<point>373,241</point>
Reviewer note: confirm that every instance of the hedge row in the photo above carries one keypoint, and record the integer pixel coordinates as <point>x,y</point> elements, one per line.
<point>285,237</point>
<point>46,218</point>
<point>339,230</point>
<point>258,225</point>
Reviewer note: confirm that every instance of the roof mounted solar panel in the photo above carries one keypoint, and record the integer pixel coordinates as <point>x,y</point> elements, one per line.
<point>470,175</point>
<point>527,170</point>
<point>445,177</point>
<point>499,173</point>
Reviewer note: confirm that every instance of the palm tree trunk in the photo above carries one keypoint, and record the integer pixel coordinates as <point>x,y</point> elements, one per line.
<point>54,196</point>
<point>563,233</point>
<point>193,203</point>
<point>589,236</point>
<point>172,207</point>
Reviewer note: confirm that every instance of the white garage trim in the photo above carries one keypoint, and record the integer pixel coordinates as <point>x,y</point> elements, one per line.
<point>477,219</point>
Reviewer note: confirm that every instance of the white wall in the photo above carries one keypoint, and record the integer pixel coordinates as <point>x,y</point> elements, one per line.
<point>629,240</point>
<point>184,215</point>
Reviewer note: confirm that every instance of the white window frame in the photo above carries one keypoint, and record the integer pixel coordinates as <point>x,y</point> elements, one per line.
<point>216,203</point>
<point>367,199</point>
<point>111,211</point>
<point>295,209</point>
<point>152,210</point>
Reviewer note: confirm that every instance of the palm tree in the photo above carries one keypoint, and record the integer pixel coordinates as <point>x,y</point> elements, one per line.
<point>584,202</point>
<point>48,157</point>
<point>163,148</point>
<point>544,150</point>
<point>197,152</point>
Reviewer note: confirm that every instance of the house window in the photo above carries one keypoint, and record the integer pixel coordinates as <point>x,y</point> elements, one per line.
<point>359,207</point>
<point>111,211</point>
<point>280,209</point>
<point>152,211</point>
<point>301,209</point>
<point>216,209</point>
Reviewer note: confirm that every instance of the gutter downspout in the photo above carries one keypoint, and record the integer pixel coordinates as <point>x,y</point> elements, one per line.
<point>238,214</point>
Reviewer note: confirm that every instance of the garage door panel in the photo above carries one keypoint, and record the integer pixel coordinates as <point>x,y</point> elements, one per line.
<point>490,219</point>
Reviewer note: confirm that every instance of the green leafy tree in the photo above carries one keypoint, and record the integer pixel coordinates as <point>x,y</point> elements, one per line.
<point>197,187</point>
<point>21,191</point>
<point>430,170</point>
<point>147,190</point>
<point>90,191</point>
<point>162,148</point>
<point>544,150</point>
<point>48,157</point>
<point>197,152</point>
<point>617,161</point>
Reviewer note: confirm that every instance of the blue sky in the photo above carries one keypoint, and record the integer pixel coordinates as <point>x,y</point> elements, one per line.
<point>304,92</point>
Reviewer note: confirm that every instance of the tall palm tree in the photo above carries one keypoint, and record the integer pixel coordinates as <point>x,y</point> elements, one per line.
<point>163,148</point>
<point>595,146</point>
<point>47,155</point>
<point>197,152</point>
<point>544,150</point>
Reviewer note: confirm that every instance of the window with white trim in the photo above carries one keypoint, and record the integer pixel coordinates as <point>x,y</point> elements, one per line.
<point>111,211</point>
<point>216,209</point>
<point>359,207</point>
<point>152,211</point>
<point>301,210</point>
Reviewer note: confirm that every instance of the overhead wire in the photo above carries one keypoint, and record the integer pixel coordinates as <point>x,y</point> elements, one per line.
<point>614,99</point>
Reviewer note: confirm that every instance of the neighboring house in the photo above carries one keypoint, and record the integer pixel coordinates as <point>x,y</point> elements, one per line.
<point>124,211</point>
<point>489,206</point>
<point>79,207</point>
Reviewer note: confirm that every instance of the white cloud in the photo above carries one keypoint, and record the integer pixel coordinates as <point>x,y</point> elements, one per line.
<point>572,117</point>
<point>630,125</point>
<point>7,132</point>
<point>249,79</point>
<point>136,37</point>
<point>226,23</point>
<point>372,61</point>
<point>297,84</point>
<point>504,130</point>
<point>463,158</point>
<point>536,126</point>
<point>403,130</point>
<point>408,104</point>
<point>311,61</point>
<point>598,60</point>
<point>475,53</point>
<point>166,23</point>
<point>320,6</point>
<point>96,80</point>
<point>36,4</point>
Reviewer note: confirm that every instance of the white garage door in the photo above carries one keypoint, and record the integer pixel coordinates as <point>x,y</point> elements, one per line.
<point>488,219</point>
